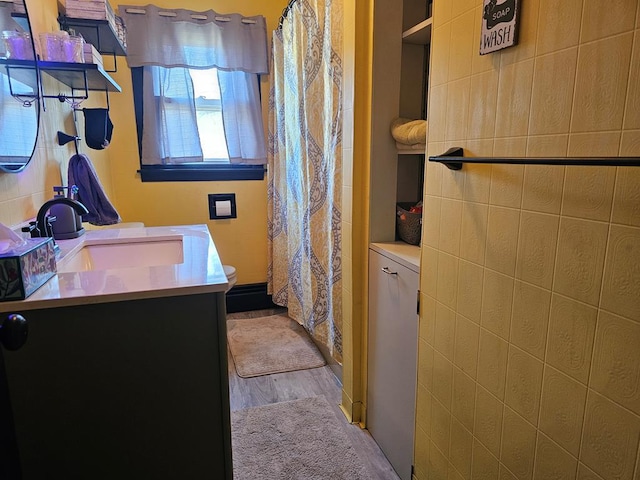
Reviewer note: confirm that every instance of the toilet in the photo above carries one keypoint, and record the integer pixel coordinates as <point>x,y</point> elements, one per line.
<point>230,272</point>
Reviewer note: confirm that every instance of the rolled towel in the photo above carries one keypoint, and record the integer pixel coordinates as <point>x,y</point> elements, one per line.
<point>409,132</point>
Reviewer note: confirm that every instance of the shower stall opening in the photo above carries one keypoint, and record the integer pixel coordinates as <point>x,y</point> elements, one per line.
<point>305,170</point>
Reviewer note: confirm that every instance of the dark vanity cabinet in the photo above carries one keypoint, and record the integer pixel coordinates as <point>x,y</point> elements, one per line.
<point>124,390</point>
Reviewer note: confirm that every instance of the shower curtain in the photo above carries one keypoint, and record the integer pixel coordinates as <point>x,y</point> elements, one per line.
<point>305,169</point>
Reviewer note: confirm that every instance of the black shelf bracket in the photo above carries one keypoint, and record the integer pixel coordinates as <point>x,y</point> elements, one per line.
<point>80,77</point>
<point>451,158</point>
<point>454,159</point>
<point>61,97</point>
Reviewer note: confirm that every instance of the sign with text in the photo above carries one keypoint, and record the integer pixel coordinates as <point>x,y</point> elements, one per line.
<point>499,25</point>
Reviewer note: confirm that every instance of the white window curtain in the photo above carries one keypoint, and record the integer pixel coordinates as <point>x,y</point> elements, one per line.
<point>178,39</point>
<point>239,95</point>
<point>169,108</point>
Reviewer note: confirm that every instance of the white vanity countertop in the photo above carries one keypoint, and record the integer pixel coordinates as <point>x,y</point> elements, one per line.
<point>201,271</point>
<point>403,253</point>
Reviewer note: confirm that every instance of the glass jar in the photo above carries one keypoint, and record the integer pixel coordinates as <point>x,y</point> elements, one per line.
<point>17,45</point>
<point>52,46</point>
<point>73,49</point>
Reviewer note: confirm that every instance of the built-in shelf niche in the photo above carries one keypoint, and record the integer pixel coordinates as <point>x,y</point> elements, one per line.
<point>411,152</point>
<point>399,74</point>
<point>414,74</point>
<point>419,34</point>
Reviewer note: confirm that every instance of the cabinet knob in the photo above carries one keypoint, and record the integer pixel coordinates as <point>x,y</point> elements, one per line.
<point>387,271</point>
<point>13,331</point>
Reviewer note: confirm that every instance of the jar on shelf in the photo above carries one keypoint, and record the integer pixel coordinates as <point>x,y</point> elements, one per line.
<point>52,46</point>
<point>17,45</point>
<point>73,49</point>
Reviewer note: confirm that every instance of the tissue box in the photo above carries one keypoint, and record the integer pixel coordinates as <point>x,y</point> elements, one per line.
<point>26,268</point>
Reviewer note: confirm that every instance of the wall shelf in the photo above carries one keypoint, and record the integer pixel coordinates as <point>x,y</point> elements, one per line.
<point>98,33</point>
<point>80,76</point>
<point>411,152</point>
<point>419,34</point>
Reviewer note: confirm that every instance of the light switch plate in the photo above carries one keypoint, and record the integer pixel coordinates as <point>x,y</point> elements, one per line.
<point>222,197</point>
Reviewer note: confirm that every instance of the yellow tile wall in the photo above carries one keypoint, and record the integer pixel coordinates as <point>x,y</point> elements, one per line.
<point>529,356</point>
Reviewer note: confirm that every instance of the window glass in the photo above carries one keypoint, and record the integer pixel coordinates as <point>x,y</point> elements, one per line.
<point>209,115</point>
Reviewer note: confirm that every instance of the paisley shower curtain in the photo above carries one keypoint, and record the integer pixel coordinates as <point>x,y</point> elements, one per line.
<point>305,169</point>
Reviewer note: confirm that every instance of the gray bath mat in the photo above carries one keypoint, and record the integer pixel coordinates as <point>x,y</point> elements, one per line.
<point>274,344</point>
<point>296,440</point>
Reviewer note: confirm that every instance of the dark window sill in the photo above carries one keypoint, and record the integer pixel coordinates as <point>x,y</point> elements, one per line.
<point>182,173</point>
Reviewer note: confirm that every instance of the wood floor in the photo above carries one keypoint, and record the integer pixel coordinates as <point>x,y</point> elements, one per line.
<point>283,387</point>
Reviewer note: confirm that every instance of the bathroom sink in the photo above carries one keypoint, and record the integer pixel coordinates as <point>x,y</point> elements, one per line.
<point>125,253</point>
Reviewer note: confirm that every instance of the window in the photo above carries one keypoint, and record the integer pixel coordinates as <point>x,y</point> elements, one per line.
<point>214,163</point>
<point>196,93</point>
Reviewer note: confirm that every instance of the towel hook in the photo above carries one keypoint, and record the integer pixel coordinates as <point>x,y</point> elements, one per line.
<point>64,138</point>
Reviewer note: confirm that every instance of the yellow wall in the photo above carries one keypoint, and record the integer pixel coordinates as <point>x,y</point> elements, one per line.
<point>528,352</point>
<point>241,242</point>
<point>356,141</point>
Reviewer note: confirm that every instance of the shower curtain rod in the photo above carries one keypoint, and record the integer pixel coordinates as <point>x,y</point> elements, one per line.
<point>285,12</point>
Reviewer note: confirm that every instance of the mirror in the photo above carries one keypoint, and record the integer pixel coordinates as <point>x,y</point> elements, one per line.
<point>19,105</point>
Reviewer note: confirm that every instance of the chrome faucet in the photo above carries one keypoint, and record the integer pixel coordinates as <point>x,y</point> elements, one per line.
<point>42,226</point>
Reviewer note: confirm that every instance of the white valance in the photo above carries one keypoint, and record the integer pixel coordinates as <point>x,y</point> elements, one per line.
<point>184,38</point>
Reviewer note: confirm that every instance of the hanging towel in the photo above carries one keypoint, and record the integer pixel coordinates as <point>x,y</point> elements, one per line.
<point>90,192</point>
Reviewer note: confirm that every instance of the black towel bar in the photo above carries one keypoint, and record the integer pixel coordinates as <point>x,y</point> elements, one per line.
<point>454,159</point>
